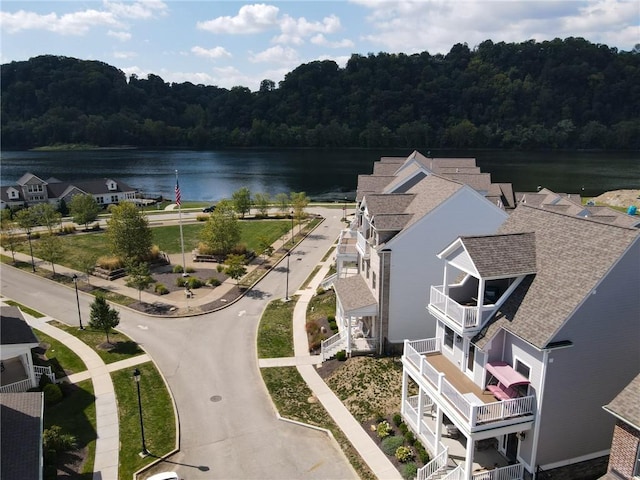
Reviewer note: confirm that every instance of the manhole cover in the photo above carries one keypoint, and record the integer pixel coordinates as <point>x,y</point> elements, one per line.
<point>216,398</point>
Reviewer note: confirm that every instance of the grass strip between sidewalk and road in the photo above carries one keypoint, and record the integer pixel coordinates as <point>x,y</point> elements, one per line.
<point>290,394</point>
<point>157,414</point>
<point>275,333</point>
<point>123,346</point>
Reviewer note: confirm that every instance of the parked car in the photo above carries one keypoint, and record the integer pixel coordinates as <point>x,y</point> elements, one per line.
<point>164,476</point>
<point>209,209</point>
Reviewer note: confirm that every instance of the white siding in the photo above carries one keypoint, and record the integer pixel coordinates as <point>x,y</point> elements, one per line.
<point>415,267</point>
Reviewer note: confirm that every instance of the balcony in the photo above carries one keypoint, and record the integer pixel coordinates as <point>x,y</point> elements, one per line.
<point>457,395</point>
<point>362,244</point>
<point>464,313</point>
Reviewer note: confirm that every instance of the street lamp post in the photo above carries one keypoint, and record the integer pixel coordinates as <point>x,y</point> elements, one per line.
<point>33,265</point>
<point>287,286</point>
<point>344,209</point>
<point>292,235</point>
<point>75,283</point>
<point>136,377</point>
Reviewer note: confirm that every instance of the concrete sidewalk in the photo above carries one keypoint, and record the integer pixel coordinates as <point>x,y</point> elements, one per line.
<point>375,459</point>
<point>107,424</point>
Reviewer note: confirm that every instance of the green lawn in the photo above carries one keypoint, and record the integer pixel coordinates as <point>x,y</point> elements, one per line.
<point>76,414</point>
<point>157,414</point>
<point>124,346</point>
<point>61,359</point>
<point>275,332</point>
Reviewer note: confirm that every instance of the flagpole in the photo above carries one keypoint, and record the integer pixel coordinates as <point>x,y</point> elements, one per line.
<point>179,201</point>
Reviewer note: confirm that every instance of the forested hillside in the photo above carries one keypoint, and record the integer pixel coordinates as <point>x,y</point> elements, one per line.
<point>555,94</point>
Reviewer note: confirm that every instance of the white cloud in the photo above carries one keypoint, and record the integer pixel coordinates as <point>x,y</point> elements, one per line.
<point>124,55</point>
<point>122,36</point>
<point>250,19</point>
<point>322,41</point>
<point>77,23</point>
<point>142,9</point>
<point>295,30</point>
<point>277,54</point>
<point>214,53</point>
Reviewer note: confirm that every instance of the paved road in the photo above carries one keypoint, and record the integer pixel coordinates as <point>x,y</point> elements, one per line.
<point>228,425</point>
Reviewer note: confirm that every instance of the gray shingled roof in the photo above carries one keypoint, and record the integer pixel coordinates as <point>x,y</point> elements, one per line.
<point>626,405</point>
<point>502,255</point>
<point>566,272</point>
<point>14,330</point>
<point>20,416</point>
<point>353,294</point>
<point>380,204</point>
<point>385,168</point>
<point>371,184</point>
<point>390,222</point>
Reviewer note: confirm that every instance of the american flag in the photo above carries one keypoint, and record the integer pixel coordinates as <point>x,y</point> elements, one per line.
<point>177,193</point>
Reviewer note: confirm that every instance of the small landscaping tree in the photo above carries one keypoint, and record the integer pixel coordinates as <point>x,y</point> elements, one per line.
<point>10,238</point>
<point>235,267</point>
<point>242,201</point>
<point>221,232</point>
<point>261,202</point>
<point>50,249</point>
<point>103,317</point>
<point>128,232</point>
<point>139,277</point>
<point>84,209</point>
<point>46,215</point>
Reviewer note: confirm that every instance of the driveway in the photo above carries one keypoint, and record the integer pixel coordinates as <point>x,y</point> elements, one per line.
<point>228,425</point>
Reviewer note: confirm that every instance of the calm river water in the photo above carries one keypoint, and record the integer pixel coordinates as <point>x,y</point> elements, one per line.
<point>323,175</point>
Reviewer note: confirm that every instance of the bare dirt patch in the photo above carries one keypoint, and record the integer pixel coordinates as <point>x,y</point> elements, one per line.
<point>619,198</point>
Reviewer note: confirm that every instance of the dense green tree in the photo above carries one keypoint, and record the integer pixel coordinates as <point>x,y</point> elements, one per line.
<point>10,238</point>
<point>222,231</point>
<point>103,316</point>
<point>128,233</point>
<point>242,201</point>
<point>46,215</point>
<point>84,209</point>
<point>262,202</point>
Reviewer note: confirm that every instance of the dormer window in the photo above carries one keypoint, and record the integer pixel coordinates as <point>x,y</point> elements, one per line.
<point>111,185</point>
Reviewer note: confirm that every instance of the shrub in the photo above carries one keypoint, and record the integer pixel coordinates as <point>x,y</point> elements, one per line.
<point>409,470</point>
<point>180,282</point>
<point>333,326</point>
<point>202,218</point>
<point>341,356</point>
<point>154,253</point>
<point>109,263</point>
<point>320,291</point>
<point>177,269</point>
<point>43,382</point>
<point>312,327</point>
<point>331,318</point>
<point>214,282</point>
<point>54,439</point>
<point>397,419</point>
<point>404,454</point>
<point>390,444</point>
<point>204,249</point>
<point>160,289</point>
<point>52,394</point>
<point>384,429</point>
<point>220,268</point>
<point>194,282</point>
<point>422,453</point>
<point>315,345</point>
<point>409,437</point>
<point>403,428</point>
<point>67,228</point>
<point>190,269</point>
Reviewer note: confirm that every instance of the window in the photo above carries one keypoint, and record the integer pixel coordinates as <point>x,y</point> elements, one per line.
<point>114,198</point>
<point>373,280</point>
<point>100,200</point>
<point>471,357</point>
<point>522,369</point>
<point>448,337</point>
<point>368,263</point>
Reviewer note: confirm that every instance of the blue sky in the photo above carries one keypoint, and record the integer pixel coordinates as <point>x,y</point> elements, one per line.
<point>230,43</point>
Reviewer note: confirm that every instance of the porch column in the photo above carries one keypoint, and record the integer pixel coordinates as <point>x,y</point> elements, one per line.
<point>445,283</point>
<point>438,431</point>
<point>349,336</point>
<point>420,408</point>
<point>468,459</point>
<point>481,285</point>
<point>27,363</point>
<point>403,409</point>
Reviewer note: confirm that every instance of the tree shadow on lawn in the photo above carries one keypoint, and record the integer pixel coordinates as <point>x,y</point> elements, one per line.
<point>123,348</point>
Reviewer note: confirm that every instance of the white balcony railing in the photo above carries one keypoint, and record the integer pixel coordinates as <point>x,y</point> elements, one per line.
<point>510,472</point>
<point>435,466</point>
<point>475,414</point>
<point>17,387</point>
<point>363,245</point>
<point>464,316</point>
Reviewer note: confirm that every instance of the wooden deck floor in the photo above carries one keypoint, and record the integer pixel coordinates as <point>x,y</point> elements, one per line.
<point>458,379</point>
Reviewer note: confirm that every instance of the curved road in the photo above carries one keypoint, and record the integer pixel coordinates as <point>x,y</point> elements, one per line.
<point>228,425</point>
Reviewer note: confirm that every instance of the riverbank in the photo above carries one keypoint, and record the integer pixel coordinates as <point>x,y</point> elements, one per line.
<point>619,198</point>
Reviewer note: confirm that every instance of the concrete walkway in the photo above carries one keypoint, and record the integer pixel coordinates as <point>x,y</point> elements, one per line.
<point>375,459</point>
<point>106,461</point>
<point>108,440</point>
